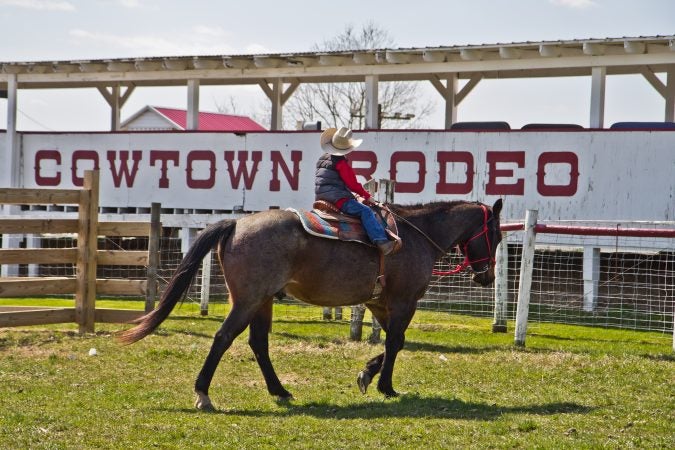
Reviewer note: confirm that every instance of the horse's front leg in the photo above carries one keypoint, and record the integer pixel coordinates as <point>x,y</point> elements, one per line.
<point>399,319</point>
<point>374,365</point>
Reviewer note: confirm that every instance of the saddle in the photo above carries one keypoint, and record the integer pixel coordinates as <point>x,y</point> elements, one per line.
<point>327,221</point>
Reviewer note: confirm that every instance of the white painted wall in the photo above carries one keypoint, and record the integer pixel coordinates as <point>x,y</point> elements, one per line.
<point>621,175</point>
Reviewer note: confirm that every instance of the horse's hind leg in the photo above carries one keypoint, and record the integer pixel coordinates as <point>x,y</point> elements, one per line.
<point>234,324</point>
<point>259,343</point>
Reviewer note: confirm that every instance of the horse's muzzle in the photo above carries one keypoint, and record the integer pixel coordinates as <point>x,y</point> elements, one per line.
<point>485,278</point>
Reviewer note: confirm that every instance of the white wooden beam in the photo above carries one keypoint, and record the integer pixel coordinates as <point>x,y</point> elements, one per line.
<point>593,49</point>
<point>192,122</point>
<point>266,89</point>
<point>634,47</point>
<point>470,54</point>
<point>293,85</point>
<point>597,114</point>
<point>468,87</point>
<point>654,81</point>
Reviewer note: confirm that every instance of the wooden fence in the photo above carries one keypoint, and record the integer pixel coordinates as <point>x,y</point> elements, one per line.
<point>86,257</point>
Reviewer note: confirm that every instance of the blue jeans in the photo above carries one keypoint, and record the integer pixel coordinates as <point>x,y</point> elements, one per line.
<point>370,223</point>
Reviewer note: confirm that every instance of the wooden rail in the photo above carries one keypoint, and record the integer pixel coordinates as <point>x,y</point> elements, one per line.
<point>86,258</point>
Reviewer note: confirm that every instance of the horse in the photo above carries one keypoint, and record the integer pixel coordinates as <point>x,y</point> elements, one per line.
<point>268,252</point>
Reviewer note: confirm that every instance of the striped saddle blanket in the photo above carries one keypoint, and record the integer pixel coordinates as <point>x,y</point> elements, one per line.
<point>327,222</point>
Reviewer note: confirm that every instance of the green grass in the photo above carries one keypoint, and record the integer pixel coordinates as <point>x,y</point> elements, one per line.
<point>571,387</point>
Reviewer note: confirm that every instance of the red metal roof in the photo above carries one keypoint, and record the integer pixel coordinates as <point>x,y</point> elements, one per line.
<point>212,121</point>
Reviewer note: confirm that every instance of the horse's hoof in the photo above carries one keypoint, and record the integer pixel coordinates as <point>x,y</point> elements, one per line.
<point>388,392</point>
<point>363,380</point>
<point>203,403</point>
<point>283,395</point>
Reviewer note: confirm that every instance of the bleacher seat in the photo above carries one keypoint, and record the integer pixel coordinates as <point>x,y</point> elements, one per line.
<point>480,126</point>
<point>551,126</point>
<point>643,126</point>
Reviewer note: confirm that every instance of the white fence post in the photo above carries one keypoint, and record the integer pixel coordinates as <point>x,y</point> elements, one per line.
<point>206,285</point>
<point>525,280</point>
<point>501,286</point>
<point>591,277</point>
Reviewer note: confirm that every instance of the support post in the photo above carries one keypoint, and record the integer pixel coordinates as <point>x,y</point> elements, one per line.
<point>450,105</point>
<point>87,238</point>
<point>277,105</point>
<point>598,78</point>
<point>153,256</point>
<point>670,96</point>
<point>115,113</point>
<point>501,286</point>
<point>525,280</point>
<point>192,122</point>
<point>206,285</point>
<point>372,102</point>
<point>591,277</point>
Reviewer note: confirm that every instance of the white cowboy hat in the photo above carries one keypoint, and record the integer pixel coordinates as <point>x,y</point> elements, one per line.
<point>339,142</point>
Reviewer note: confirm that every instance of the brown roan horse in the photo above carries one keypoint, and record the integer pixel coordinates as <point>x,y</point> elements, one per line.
<point>269,252</point>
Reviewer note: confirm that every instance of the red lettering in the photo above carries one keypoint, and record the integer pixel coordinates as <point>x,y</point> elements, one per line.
<point>558,190</point>
<point>82,155</point>
<point>242,169</point>
<point>277,162</point>
<point>164,156</point>
<point>408,186</point>
<point>445,158</point>
<point>45,155</point>
<point>363,156</point>
<point>493,187</point>
<point>201,155</point>
<point>129,177</point>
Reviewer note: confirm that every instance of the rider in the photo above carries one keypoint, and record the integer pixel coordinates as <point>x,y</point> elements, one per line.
<point>336,183</point>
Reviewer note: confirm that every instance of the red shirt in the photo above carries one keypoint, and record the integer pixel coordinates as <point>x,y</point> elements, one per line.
<point>349,177</point>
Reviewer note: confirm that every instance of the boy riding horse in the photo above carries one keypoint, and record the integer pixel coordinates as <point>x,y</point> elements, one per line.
<point>336,183</point>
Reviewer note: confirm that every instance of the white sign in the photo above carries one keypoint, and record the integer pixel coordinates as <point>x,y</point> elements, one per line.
<point>582,175</point>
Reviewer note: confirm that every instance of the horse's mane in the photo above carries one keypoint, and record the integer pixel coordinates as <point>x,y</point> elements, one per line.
<point>416,209</point>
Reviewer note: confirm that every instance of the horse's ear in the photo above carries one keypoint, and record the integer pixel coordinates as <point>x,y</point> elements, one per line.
<point>497,207</point>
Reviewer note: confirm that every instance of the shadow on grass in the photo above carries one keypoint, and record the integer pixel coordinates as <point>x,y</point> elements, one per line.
<point>406,406</point>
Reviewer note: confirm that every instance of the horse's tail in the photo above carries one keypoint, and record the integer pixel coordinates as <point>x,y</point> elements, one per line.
<point>180,282</point>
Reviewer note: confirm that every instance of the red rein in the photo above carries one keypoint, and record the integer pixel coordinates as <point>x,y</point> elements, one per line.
<point>466,263</point>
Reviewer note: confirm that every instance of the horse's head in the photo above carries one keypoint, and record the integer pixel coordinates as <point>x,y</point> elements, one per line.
<point>480,249</point>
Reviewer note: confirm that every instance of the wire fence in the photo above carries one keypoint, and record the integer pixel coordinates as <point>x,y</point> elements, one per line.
<point>633,286</point>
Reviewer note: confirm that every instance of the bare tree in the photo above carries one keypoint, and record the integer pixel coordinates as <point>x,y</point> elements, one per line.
<point>343,104</point>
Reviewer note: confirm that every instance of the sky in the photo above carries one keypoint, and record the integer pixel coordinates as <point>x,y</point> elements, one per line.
<point>51,30</point>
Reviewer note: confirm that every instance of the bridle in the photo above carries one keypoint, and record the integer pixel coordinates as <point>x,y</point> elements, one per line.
<point>464,248</point>
<point>468,263</point>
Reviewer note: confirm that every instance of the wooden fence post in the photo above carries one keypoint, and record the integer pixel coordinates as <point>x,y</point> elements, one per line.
<point>153,256</point>
<point>525,280</point>
<point>206,285</point>
<point>87,245</point>
<point>501,286</point>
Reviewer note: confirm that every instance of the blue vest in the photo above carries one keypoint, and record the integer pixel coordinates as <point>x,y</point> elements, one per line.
<point>328,185</point>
